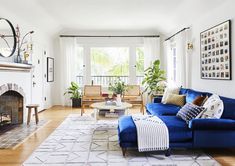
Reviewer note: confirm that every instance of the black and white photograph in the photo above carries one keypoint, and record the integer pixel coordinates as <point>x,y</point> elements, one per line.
<point>216,51</point>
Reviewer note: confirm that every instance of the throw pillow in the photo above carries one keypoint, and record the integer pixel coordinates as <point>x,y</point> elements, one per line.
<point>169,90</point>
<point>189,111</point>
<point>175,99</point>
<point>214,107</point>
<point>200,100</point>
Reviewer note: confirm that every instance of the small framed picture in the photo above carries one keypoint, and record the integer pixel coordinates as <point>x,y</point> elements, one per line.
<point>216,52</point>
<point>50,69</point>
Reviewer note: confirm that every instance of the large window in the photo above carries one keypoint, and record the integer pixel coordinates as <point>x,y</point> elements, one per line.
<point>109,62</point>
<point>102,65</point>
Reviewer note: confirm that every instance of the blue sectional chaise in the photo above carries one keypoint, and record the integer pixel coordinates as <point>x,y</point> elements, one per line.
<point>199,133</point>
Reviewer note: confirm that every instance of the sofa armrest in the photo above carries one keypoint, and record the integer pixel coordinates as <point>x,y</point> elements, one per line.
<point>157,99</point>
<point>212,124</point>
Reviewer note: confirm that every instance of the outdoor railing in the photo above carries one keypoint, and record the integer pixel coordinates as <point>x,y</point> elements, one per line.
<point>106,80</point>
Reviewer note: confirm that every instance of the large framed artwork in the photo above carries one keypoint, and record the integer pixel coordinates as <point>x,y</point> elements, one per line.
<point>50,69</point>
<point>216,52</point>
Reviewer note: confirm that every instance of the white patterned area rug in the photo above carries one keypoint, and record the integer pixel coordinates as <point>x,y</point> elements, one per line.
<point>80,141</point>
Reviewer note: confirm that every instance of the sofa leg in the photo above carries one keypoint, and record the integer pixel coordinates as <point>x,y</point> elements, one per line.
<point>168,152</point>
<point>124,152</point>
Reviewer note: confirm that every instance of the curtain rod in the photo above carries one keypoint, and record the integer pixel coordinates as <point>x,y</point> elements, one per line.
<point>177,33</point>
<point>108,36</point>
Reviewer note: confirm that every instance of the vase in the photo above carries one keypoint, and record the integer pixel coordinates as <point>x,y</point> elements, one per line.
<point>118,100</point>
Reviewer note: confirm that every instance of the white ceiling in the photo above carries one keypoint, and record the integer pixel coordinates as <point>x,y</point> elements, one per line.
<point>162,16</point>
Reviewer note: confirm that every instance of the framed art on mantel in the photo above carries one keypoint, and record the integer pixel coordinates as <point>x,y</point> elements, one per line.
<point>216,52</point>
<point>50,69</point>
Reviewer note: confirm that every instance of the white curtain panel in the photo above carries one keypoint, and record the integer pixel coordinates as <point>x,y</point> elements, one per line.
<point>68,71</point>
<point>182,67</point>
<point>151,53</point>
<point>151,50</point>
<point>180,41</point>
<point>169,62</point>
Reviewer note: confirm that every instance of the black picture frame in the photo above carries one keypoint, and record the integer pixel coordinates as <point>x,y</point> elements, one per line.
<point>50,69</point>
<point>216,52</point>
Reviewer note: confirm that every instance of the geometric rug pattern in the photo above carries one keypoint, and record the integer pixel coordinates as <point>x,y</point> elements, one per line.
<point>80,141</point>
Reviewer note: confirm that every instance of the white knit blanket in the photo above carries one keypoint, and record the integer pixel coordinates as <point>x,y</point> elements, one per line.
<point>152,133</point>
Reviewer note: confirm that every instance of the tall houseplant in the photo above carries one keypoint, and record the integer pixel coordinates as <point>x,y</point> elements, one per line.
<point>152,77</point>
<point>75,94</point>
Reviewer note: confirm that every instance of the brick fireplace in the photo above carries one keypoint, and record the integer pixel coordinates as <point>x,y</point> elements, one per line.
<point>12,99</point>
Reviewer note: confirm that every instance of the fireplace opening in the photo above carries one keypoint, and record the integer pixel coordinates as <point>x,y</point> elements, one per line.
<point>11,108</point>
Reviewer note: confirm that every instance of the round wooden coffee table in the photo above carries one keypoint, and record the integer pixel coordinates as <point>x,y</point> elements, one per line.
<point>111,108</point>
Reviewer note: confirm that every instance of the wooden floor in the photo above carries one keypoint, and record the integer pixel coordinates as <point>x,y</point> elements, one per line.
<point>56,115</point>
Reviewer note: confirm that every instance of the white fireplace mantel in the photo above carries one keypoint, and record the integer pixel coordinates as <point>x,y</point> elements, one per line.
<point>15,66</point>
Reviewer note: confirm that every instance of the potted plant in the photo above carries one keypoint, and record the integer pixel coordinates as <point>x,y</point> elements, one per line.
<point>75,94</point>
<point>118,88</point>
<point>153,79</point>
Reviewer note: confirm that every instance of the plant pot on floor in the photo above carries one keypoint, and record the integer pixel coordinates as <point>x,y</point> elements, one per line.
<point>76,103</point>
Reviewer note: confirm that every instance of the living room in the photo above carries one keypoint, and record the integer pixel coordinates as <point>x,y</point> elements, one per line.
<point>117,82</point>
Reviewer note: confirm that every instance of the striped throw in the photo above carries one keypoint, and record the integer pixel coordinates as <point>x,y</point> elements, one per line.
<point>189,111</point>
<point>152,133</point>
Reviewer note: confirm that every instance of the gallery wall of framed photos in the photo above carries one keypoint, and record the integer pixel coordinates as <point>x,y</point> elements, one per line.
<point>216,52</point>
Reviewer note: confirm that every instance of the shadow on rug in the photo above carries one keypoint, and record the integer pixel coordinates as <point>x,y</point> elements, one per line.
<point>82,141</point>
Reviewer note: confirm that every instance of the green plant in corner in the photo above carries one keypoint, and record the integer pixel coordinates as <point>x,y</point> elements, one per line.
<point>118,87</point>
<point>74,91</point>
<point>152,77</point>
<point>75,94</point>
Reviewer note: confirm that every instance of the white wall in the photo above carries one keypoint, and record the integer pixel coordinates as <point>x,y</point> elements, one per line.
<point>216,16</point>
<point>42,41</point>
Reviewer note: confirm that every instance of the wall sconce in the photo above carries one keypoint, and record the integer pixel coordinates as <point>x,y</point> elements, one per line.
<point>190,46</point>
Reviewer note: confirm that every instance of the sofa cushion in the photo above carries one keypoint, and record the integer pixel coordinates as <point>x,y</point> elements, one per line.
<point>183,91</point>
<point>214,108</point>
<point>189,111</point>
<point>178,129</point>
<point>229,108</point>
<point>175,99</point>
<point>212,124</point>
<point>162,109</point>
<point>192,95</point>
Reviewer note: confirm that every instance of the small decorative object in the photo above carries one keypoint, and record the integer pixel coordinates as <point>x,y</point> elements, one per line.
<point>216,52</point>
<point>50,69</point>
<point>152,78</point>
<point>75,94</point>
<point>119,100</point>
<point>20,42</point>
<point>118,88</point>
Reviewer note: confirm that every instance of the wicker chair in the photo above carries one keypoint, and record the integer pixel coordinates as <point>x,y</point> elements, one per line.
<point>134,96</point>
<point>92,94</point>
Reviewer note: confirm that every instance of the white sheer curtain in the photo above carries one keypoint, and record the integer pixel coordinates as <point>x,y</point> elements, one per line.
<point>179,42</point>
<point>68,72</point>
<point>167,46</point>
<point>151,53</point>
<point>151,50</point>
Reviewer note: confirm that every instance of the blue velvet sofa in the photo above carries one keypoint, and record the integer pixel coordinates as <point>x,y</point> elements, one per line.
<point>199,133</point>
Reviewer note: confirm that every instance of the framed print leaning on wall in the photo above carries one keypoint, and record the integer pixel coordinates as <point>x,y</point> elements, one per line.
<point>216,52</point>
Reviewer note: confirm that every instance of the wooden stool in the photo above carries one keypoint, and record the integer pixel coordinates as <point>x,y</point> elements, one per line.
<point>35,106</point>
